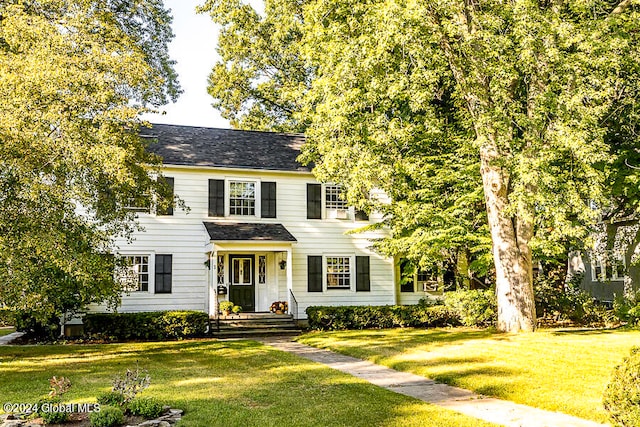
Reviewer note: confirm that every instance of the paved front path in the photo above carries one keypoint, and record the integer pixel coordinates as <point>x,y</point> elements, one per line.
<point>457,399</point>
<point>6,339</point>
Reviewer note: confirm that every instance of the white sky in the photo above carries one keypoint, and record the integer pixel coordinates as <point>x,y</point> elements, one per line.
<point>194,47</point>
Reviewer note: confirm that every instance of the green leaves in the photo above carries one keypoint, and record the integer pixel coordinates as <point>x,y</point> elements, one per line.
<point>403,96</point>
<point>74,78</point>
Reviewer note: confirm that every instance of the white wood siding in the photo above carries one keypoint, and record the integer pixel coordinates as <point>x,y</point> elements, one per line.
<point>184,236</point>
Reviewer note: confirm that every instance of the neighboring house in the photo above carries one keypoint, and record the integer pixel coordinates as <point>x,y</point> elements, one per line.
<point>611,269</point>
<point>257,228</point>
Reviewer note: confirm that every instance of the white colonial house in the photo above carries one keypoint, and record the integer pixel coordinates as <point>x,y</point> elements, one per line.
<point>256,227</point>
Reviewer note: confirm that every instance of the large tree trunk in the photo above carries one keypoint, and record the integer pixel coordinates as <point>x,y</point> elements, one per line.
<point>511,252</point>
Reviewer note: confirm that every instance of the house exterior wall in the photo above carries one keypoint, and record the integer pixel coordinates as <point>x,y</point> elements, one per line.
<point>601,288</point>
<point>184,237</point>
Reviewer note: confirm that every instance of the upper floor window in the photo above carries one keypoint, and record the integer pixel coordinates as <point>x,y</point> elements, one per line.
<point>335,205</point>
<point>242,198</point>
<point>334,197</point>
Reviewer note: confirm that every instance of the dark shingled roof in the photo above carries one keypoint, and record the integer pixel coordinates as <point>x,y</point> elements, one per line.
<point>198,146</point>
<point>247,231</point>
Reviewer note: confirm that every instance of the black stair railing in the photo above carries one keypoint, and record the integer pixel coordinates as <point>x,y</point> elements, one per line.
<point>294,305</point>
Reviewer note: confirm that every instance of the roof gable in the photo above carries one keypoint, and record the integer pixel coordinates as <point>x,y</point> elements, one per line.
<point>212,147</point>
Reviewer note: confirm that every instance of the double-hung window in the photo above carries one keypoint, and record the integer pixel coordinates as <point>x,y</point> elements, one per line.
<point>334,197</point>
<point>136,273</point>
<point>608,267</point>
<point>242,198</point>
<point>328,272</point>
<point>338,272</point>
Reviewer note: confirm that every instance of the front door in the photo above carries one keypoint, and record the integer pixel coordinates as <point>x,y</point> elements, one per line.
<point>242,290</point>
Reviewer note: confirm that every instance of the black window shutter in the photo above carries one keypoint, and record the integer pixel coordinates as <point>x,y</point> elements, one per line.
<point>163,274</point>
<point>216,197</point>
<point>268,199</point>
<point>314,201</point>
<point>361,216</point>
<point>169,182</point>
<point>314,273</point>
<point>363,278</point>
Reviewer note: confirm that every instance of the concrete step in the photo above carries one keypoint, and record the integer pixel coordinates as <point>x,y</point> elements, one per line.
<point>256,315</point>
<point>258,326</point>
<point>253,333</point>
<point>248,325</point>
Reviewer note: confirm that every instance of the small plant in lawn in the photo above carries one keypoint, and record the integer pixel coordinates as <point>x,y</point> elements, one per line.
<point>48,405</point>
<point>146,407</point>
<point>109,416</point>
<point>59,386</point>
<point>112,398</point>
<point>131,383</point>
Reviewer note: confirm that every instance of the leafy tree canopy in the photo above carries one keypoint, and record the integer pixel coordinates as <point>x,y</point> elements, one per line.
<point>455,106</point>
<point>75,75</point>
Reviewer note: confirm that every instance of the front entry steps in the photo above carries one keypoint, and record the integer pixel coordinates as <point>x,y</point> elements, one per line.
<point>248,325</point>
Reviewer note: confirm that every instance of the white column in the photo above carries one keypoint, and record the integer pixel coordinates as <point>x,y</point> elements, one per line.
<point>290,279</point>
<point>213,283</point>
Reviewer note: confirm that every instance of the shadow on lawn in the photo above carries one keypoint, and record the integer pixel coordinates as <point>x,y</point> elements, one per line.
<point>400,339</point>
<point>300,394</point>
<point>589,331</point>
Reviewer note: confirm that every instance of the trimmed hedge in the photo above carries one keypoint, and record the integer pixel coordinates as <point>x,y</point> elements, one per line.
<point>156,325</point>
<point>326,318</point>
<point>622,396</point>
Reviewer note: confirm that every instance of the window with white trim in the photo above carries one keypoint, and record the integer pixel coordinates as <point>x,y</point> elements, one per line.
<point>262,269</point>
<point>338,272</point>
<point>136,273</point>
<point>607,268</point>
<point>333,195</point>
<point>242,198</point>
<point>220,268</point>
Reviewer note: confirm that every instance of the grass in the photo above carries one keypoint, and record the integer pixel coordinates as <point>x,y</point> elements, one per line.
<point>6,331</point>
<point>564,371</point>
<point>234,383</point>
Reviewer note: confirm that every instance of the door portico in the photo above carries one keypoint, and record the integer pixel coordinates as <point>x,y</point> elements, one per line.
<point>253,270</point>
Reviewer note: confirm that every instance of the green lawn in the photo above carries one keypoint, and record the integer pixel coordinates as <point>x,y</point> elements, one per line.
<point>6,331</point>
<point>550,369</point>
<point>235,383</point>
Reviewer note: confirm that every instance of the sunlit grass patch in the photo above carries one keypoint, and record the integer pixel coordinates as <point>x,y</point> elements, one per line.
<point>235,383</point>
<point>557,370</point>
<point>6,331</point>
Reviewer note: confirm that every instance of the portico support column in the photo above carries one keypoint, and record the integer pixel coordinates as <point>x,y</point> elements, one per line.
<point>290,279</point>
<point>213,283</point>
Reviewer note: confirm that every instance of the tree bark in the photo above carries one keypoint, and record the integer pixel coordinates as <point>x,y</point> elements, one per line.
<point>511,251</point>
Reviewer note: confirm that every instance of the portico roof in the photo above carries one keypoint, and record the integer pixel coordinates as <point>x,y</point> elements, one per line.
<point>248,232</point>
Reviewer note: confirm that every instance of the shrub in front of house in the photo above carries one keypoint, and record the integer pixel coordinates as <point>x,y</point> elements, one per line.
<point>146,407</point>
<point>558,301</point>
<point>622,395</point>
<point>627,307</point>
<point>108,416</point>
<point>157,325</point>
<point>378,317</point>
<point>36,328</point>
<point>475,307</point>
<point>6,317</point>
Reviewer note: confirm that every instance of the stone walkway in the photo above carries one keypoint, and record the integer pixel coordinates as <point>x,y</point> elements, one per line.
<point>486,408</point>
<point>6,339</point>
